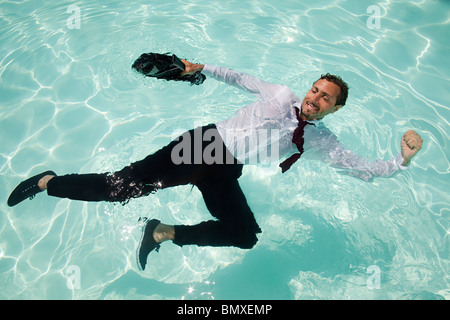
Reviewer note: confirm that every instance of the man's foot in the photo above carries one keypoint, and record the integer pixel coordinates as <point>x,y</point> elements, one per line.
<point>148,243</point>
<point>42,183</point>
<point>154,233</point>
<point>29,188</point>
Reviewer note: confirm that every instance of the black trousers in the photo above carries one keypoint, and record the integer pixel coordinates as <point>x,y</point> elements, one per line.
<point>186,160</point>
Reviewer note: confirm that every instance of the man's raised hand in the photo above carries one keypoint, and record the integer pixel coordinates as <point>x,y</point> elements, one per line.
<point>411,144</point>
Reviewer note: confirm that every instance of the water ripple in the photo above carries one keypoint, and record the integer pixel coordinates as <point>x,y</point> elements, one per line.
<point>69,101</point>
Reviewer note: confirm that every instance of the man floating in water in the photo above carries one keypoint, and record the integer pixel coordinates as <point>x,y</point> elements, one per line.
<point>213,163</point>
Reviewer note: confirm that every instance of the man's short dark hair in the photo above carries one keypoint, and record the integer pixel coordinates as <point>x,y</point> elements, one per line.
<point>342,98</point>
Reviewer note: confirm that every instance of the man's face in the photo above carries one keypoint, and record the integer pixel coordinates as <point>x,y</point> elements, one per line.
<point>320,100</point>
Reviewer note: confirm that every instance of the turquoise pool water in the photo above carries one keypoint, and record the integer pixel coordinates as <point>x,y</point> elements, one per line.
<point>70,102</point>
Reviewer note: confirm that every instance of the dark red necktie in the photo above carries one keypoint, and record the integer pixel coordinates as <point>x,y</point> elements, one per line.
<point>298,140</point>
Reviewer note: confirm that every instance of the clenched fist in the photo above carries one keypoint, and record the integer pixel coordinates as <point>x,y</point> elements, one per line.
<point>411,144</point>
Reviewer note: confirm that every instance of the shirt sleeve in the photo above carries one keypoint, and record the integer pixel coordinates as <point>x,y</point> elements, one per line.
<point>338,156</point>
<point>261,89</point>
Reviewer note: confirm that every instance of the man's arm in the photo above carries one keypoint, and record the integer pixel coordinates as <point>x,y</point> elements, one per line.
<point>335,153</point>
<point>261,89</point>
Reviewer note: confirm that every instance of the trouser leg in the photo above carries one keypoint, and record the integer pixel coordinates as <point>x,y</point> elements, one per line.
<point>98,187</point>
<point>235,224</point>
<point>138,179</point>
<point>87,187</point>
<point>142,177</point>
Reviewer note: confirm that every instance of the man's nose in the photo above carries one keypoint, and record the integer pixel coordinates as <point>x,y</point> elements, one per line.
<point>315,97</point>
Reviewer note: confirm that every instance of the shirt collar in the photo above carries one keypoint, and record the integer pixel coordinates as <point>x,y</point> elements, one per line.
<point>299,106</point>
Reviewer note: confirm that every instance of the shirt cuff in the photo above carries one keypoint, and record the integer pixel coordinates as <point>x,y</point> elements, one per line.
<point>208,69</point>
<point>399,160</point>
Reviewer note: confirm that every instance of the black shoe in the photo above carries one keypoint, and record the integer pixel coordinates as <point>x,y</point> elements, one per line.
<point>148,243</point>
<point>163,66</point>
<point>27,189</point>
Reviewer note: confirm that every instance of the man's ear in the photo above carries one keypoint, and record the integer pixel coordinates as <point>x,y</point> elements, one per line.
<point>337,107</point>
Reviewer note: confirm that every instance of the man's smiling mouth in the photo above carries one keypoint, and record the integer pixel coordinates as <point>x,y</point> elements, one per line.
<point>312,106</point>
